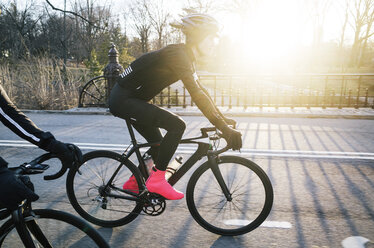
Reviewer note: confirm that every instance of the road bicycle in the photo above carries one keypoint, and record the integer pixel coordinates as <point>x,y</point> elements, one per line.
<point>31,228</point>
<point>227,195</point>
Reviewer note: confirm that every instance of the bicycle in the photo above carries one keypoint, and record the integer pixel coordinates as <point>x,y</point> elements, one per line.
<point>215,195</point>
<point>45,227</point>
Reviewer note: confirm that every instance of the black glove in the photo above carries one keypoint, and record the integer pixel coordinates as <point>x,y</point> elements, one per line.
<point>230,122</point>
<point>67,153</point>
<point>14,190</point>
<point>232,137</point>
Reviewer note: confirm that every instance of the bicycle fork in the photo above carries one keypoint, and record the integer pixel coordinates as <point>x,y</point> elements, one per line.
<point>213,163</point>
<point>24,225</point>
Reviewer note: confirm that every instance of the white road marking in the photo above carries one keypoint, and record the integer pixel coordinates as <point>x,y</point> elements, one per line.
<point>355,242</point>
<point>189,149</point>
<point>270,224</point>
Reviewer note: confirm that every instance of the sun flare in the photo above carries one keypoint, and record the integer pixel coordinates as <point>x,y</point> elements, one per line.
<point>268,35</point>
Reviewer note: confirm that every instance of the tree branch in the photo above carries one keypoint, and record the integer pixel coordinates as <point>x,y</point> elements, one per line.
<point>73,13</point>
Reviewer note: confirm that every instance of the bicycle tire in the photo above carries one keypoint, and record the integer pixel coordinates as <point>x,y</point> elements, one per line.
<point>49,221</point>
<point>120,211</point>
<point>247,215</point>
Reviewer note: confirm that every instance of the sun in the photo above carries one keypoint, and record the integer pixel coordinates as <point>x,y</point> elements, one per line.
<point>269,34</point>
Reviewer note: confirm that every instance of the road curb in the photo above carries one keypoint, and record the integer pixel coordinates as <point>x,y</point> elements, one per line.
<point>297,114</point>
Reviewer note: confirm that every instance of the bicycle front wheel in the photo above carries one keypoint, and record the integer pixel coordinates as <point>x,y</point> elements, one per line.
<point>251,196</point>
<point>99,205</point>
<point>51,228</point>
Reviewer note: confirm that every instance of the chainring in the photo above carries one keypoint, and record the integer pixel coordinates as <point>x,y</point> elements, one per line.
<point>155,204</point>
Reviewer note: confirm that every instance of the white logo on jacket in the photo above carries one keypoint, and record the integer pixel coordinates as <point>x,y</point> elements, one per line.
<point>127,71</point>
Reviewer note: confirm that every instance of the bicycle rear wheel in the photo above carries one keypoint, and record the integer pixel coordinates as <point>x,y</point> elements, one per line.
<point>85,189</point>
<point>250,189</point>
<point>59,229</point>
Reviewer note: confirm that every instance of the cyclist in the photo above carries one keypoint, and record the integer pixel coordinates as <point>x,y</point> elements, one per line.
<point>13,190</point>
<point>149,75</point>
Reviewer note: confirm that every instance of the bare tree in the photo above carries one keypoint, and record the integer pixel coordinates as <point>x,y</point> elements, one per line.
<point>343,34</point>
<point>368,33</point>
<point>317,12</point>
<point>142,23</point>
<point>160,19</point>
<point>199,6</point>
<point>344,26</point>
<point>92,28</point>
<point>19,28</point>
<point>362,12</point>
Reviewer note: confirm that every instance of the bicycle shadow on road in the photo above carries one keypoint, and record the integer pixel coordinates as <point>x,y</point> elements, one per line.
<point>228,241</point>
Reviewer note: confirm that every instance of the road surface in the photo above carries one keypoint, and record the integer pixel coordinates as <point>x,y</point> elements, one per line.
<point>322,171</point>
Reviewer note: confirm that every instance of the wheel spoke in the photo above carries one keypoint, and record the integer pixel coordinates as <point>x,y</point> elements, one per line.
<point>245,181</point>
<point>109,210</point>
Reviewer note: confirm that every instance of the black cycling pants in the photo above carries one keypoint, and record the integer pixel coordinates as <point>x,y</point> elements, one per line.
<point>148,118</point>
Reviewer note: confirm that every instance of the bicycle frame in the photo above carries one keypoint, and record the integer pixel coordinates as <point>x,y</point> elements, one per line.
<point>204,149</point>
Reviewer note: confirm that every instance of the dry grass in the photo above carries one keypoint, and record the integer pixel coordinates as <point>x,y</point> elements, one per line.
<point>38,83</point>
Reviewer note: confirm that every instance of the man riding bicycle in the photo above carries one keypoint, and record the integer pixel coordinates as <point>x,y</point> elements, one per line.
<point>12,189</point>
<point>147,76</point>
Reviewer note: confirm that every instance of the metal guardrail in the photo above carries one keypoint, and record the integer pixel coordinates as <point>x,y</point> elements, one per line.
<point>302,90</point>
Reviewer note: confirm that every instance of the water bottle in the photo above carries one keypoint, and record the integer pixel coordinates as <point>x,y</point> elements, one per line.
<point>173,167</point>
<point>148,161</point>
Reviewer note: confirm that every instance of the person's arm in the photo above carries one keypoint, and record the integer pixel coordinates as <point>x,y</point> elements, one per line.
<point>21,125</point>
<point>227,120</point>
<point>204,102</point>
<point>208,108</point>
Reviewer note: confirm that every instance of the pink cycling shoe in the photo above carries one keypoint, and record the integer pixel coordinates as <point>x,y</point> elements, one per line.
<point>157,183</point>
<point>131,185</point>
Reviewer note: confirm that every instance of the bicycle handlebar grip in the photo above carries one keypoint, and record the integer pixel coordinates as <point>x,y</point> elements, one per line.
<point>59,174</point>
<point>208,129</point>
<point>205,130</point>
<point>42,158</point>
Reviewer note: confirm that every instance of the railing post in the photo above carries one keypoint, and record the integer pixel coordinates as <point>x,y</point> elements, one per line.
<point>358,93</point>
<point>176,97</point>
<point>215,90</point>
<point>112,70</point>
<point>162,98</point>
<point>230,93</point>
<point>366,96</point>
<point>222,97</point>
<point>169,104</point>
<point>246,96</point>
<point>184,97</point>
<point>341,94</point>
<point>349,97</point>
<point>238,97</point>
<point>332,98</point>
<point>277,98</point>
<point>325,97</point>
<point>309,102</point>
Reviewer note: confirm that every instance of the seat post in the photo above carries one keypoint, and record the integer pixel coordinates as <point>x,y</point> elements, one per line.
<point>131,131</point>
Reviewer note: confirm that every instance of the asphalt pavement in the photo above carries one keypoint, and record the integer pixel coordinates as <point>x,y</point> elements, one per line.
<point>321,169</point>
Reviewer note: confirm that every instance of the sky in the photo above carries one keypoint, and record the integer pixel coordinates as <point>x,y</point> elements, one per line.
<point>286,20</point>
<point>272,31</point>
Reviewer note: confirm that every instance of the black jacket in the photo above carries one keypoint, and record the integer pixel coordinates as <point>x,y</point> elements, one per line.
<point>20,124</point>
<point>148,75</point>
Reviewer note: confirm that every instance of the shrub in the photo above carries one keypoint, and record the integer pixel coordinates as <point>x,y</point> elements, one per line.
<point>39,83</point>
